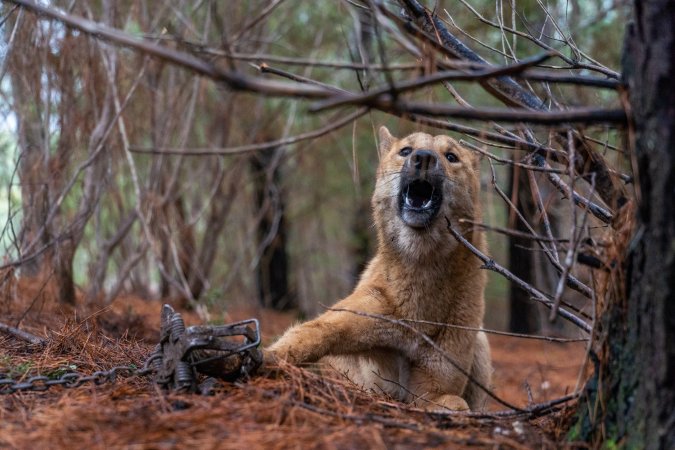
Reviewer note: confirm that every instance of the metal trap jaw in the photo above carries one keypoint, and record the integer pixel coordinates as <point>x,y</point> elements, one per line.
<point>227,352</point>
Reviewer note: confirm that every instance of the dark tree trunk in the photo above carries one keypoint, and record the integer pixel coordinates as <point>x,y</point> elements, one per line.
<point>524,315</point>
<point>634,392</point>
<point>272,267</point>
<point>361,228</point>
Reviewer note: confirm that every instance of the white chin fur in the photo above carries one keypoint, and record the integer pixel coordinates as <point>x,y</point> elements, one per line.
<point>423,243</point>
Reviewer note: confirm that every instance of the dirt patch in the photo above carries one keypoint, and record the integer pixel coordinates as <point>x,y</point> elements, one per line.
<point>282,407</point>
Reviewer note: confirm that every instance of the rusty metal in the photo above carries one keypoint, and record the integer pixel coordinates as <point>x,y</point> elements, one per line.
<point>228,352</point>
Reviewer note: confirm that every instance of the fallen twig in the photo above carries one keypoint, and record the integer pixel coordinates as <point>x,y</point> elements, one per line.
<point>21,334</point>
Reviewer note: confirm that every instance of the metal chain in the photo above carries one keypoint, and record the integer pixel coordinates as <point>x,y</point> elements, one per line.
<point>69,380</point>
<point>226,351</point>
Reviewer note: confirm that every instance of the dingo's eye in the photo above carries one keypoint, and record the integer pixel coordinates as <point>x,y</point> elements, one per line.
<point>405,151</point>
<point>451,157</point>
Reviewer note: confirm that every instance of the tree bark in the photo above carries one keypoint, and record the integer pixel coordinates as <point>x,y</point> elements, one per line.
<point>24,72</point>
<point>362,235</point>
<point>524,313</point>
<point>272,267</point>
<point>634,390</point>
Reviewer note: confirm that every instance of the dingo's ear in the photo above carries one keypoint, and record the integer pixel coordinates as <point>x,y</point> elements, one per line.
<point>386,139</point>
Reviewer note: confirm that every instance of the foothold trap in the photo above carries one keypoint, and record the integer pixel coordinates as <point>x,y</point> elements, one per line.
<point>228,352</point>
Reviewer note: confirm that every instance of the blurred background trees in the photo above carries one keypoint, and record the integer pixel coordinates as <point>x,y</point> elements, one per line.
<point>223,153</point>
<point>125,173</point>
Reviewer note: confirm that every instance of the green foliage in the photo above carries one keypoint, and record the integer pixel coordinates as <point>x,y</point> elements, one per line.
<point>60,371</point>
<point>15,370</point>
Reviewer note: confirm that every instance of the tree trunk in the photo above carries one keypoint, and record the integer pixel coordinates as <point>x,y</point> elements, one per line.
<point>272,267</point>
<point>24,70</point>
<point>633,393</point>
<point>524,314</point>
<point>362,233</point>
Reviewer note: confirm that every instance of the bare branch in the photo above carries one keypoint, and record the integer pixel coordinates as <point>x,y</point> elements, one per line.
<point>21,334</point>
<point>234,80</point>
<point>490,264</point>
<point>332,126</point>
<point>394,88</point>
<point>516,233</point>
<point>577,115</point>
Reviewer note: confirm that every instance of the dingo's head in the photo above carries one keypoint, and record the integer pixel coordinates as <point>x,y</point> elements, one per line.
<point>421,180</point>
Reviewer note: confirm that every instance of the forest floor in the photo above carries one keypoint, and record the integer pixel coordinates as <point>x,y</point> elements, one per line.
<point>285,407</point>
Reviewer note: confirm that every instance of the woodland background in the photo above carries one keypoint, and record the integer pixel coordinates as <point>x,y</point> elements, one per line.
<point>91,192</point>
<point>221,155</point>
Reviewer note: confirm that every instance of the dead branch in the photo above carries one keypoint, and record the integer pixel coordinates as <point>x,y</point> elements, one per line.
<point>256,20</point>
<point>490,264</point>
<point>332,126</point>
<point>577,115</point>
<point>511,93</point>
<point>532,411</point>
<point>304,62</point>
<point>21,334</point>
<point>598,211</point>
<point>497,332</point>
<point>510,162</point>
<point>399,88</point>
<point>234,80</point>
<point>571,280</point>
<point>515,233</point>
<point>264,68</point>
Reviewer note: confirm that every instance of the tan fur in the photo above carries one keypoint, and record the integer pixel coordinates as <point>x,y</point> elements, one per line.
<point>420,274</point>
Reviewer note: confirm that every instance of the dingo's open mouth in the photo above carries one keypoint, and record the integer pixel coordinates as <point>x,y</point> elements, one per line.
<point>419,202</point>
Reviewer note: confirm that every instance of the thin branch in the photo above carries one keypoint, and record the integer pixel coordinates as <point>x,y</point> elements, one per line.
<point>576,115</point>
<point>436,347</point>
<point>234,80</point>
<point>332,126</point>
<point>507,161</point>
<point>263,58</point>
<point>497,332</point>
<point>490,264</point>
<point>264,68</point>
<point>450,75</point>
<point>571,280</point>
<point>541,209</point>
<point>515,233</point>
<point>582,80</point>
<point>256,20</point>
<point>598,211</point>
<point>532,411</point>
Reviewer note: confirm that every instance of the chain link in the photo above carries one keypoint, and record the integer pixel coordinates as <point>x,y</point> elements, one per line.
<point>180,354</point>
<point>68,380</point>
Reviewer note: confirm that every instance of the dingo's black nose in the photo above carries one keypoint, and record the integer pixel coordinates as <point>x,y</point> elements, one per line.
<point>424,160</point>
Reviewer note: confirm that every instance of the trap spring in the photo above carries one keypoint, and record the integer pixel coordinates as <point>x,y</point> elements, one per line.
<point>228,352</point>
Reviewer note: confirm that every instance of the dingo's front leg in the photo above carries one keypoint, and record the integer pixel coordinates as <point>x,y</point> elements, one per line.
<point>340,332</point>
